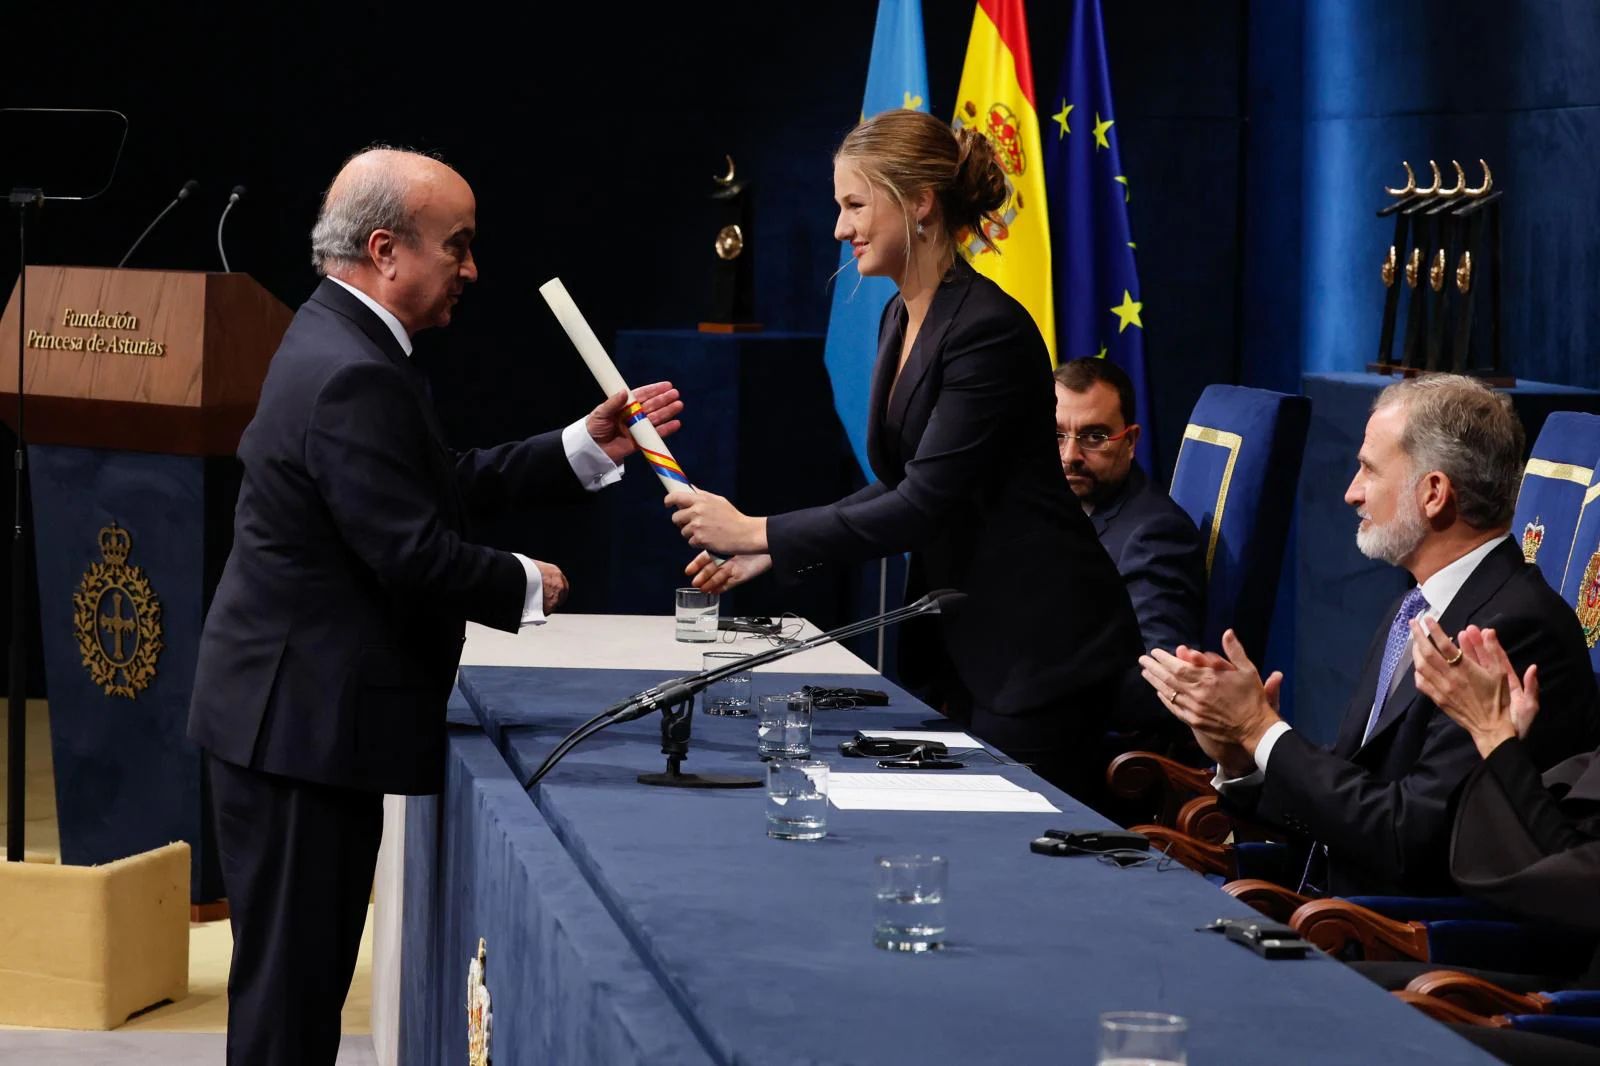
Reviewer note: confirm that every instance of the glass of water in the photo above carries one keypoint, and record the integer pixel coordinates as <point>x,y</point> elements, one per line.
<point>784,731</point>
<point>729,697</point>
<point>697,616</point>
<point>908,910</point>
<point>797,799</point>
<point>1142,1038</point>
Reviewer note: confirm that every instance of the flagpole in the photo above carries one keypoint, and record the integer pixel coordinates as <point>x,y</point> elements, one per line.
<point>883,603</point>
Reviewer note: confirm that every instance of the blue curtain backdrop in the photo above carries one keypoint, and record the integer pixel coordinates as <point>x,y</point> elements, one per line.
<point>1258,134</point>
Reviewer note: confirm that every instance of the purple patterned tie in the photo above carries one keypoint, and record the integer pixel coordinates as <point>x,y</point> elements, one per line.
<point>1399,632</point>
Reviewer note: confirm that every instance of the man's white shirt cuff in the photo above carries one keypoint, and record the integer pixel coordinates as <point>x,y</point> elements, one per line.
<point>593,466</point>
<point>533,599</point>
<point>1262,753</point>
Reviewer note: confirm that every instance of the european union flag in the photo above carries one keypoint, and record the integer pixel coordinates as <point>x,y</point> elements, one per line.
<point>897,76</point>
<point>1097,282</point>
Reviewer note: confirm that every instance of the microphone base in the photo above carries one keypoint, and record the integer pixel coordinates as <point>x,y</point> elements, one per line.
<point>671,777</point>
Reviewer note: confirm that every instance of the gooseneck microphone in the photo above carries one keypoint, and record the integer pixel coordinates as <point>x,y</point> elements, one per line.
<point>681,689</point>
<point>234,197</point>
<point>184,193</point>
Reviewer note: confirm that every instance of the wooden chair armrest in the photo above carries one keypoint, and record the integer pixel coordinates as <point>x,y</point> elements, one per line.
<point>1442,1010</point>
<point>1133,774</point>
<point>1198,855</point>
<point>1475,994</point>
<point>1275,901</point>
<point>1204,819</point>
<point>1334,924</point>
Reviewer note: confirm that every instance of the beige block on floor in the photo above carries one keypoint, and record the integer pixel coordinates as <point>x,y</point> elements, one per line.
<point>84,947</point>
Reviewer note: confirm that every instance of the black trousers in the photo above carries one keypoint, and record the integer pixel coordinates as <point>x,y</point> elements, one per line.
<point>1061,742</point>
<point>297,863</point>
<point>1530,1049</point>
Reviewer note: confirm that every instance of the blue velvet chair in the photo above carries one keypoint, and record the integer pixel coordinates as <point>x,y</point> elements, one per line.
<point>1448,930</point>
<point>1467,999</point>
<point>1581,585</point>
<point>1556,488</point>
<point>1236,476</point>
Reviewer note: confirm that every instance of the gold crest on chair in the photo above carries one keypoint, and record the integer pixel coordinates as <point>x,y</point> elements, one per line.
<point>480,1013</point>
<point>118,619</point>
<point>1532,538</point>
<point>1588,605</point>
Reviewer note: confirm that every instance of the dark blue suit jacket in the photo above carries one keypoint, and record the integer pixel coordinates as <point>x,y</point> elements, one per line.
<point>970,483</point>
<point>1381,805</point>
<point>1161,559</point>
<point>334,635</point>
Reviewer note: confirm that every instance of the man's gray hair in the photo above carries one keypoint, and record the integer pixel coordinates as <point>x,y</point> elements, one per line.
<point>1468,432</point>
<point>372,198</point>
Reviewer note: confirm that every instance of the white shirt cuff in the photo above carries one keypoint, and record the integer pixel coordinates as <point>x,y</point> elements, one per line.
<point>1262,753</point>
<point>1223,784</point>
<point>1268,739</point>
<point>593,466</point>
<point>533,598</point>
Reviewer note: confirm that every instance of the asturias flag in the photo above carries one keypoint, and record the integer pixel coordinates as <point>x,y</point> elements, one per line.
<point>897,76</point>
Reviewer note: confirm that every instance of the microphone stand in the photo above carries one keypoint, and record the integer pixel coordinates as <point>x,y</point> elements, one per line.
<point>22,198</point>
<point>674,699</point>
<point>17,699</point>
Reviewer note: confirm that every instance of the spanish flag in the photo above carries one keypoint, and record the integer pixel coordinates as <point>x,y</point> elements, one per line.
<point>996,97</point>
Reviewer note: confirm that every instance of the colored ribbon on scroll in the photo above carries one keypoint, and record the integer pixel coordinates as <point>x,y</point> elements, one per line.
<point>654,449</point>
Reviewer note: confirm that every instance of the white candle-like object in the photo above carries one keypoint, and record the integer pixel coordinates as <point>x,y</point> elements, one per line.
<point>654,449</point>
<point>605,372</point>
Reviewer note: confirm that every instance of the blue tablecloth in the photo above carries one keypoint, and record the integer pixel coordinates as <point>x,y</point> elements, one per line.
<point>762,947</point>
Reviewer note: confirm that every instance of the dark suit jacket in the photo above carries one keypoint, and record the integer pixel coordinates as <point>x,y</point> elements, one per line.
<point>1162,560</point>
<point>334,635</point>
<point>970,483</point>
<point>1382,807</point>
<point>1532,846</point>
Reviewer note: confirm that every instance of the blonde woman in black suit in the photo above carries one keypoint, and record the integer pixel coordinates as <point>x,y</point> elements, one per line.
<point>962,440</point>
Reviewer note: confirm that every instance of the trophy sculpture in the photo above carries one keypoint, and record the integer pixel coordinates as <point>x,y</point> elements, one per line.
<point>732,278</point>
<point>1446,247</point>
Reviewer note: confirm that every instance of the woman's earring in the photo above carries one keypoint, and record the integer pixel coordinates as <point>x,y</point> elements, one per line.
<point>919,229</point>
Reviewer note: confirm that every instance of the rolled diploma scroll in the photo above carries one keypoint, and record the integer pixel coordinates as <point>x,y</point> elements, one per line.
<point>668,472</point>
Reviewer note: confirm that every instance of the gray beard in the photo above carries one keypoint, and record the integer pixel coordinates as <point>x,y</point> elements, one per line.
<point>1396,540</point>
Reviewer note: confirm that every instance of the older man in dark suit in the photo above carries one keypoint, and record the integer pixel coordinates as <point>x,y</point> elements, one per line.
<point>336,629</point>
<point>1436,481</point>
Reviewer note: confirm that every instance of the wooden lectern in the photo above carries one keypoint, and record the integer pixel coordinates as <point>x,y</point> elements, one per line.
<point>140,360</point>
<point>139,384</point>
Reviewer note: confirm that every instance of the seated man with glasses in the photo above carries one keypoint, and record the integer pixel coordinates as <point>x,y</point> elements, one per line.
<point>1151,539</point>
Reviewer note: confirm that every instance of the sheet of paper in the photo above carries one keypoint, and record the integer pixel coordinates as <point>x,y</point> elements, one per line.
<point>925,781</point>
<point>984,793</point>
<point>953,741</point>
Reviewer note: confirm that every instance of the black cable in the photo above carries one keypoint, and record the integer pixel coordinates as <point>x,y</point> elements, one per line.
<point>570,741</point>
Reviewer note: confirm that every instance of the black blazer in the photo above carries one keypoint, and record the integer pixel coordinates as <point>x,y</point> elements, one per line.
<point>1382,808</point>
<point>334,634</point>
<point>1532,846</point>
<point>970,483</point>
<point>1162,560</point>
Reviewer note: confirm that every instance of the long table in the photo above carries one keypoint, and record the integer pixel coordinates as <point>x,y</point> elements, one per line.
<point>633,924</point>
<point>574,641</point>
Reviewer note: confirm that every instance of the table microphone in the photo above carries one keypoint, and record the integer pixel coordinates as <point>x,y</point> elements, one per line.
<point>233,198</point>
<point>183,194</point>
<point>680,690</point>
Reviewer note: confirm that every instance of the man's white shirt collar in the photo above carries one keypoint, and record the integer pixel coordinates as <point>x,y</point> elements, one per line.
<point>1440,589</point>
<point>384,314</point>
